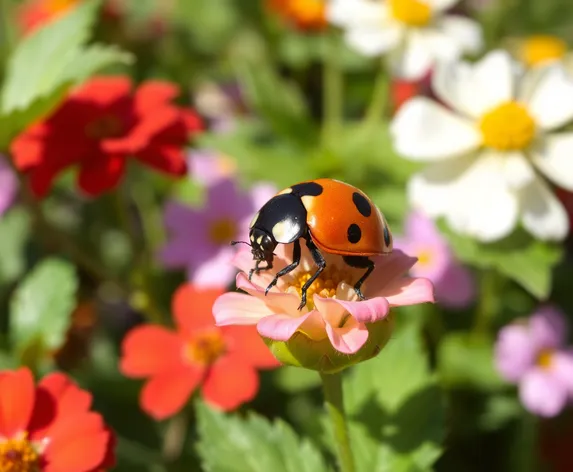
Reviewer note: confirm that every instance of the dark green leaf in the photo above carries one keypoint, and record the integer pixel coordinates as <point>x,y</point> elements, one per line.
<point>41,306</point>
<point>229,443</point>
<point>14,234</point>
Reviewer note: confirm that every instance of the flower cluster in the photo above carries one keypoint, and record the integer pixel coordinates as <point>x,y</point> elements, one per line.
<point>50,427</point>
<point>99,127</point>
<point>223,361</point>
<point>533,354</point>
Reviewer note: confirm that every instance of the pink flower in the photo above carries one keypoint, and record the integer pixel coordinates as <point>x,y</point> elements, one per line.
<point>332,318</point>
<point>454,284</point>
<point>534,356</point>
<point>210,167</point>
<point>200,238</point>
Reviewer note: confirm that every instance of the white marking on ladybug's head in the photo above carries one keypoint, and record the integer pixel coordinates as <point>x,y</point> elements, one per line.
<point>254,220</point>
<point>252,238</point>
<point>259,239</point>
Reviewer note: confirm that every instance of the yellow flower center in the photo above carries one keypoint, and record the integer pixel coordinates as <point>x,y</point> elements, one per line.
<point>508,127</point>
<point>424,257</point>
<point>541,48</point>
<point>545,359</point>
<point>222,231</point>
<point>18,455</point>
<point>325,285</point>
<point>411,12</point>
<point>205,348</point>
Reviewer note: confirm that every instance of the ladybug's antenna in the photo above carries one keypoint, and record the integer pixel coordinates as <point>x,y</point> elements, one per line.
<point>233,243</point>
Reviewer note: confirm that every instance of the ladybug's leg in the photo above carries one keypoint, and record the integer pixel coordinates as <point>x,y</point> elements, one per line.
<point>320,262</point>
<point>360,262</point>
<point>289,268</point>
<point>257,269</point>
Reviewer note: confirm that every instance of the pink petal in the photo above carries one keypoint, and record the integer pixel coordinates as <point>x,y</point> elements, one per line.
<point>239,309</point>
<point>387,269</point>
<point>514,353</point>
<point>348,339</point>
<point>562,368</point>
<point>214,272</point>
<point>280,301</point>
<point>548,327</point>
<point>542,393</point>
<point>366,311</point>
<point>408,291</point>
<point>243,260</point>
<point>281,327</point>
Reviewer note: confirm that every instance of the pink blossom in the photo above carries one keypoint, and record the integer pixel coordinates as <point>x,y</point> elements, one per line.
<point>332,311</point>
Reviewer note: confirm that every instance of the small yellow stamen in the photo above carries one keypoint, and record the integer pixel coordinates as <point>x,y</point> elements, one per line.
<point>545,359</point>
<point>425,257</point>
<point>18,455</point>
<point>205,348</point>
<point>411,12</point>
<point>540,49</point>
<point>325,285</point>
<point>222,231</point>
<point>508,127</point>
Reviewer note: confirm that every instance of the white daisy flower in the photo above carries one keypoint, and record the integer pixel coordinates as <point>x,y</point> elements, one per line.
<point>485,154</point>
<point>416,33</point>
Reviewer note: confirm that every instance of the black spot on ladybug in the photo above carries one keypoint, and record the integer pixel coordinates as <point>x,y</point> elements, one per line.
<point>387,238</point>
<point>361,204</point>
<point>354,233</point>
<point>311,189</point>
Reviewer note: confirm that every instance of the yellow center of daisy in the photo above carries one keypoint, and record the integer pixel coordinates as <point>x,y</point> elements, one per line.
<point>508,127</point>
<point>545,359</point>
<point>411,12</point>
<point>541,48</point>
<point>325,285</point>
<point>18,455</point>
<point>222,231</point>
<point>205,348</point>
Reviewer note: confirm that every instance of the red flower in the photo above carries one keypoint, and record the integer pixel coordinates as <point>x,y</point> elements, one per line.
<point>222,360</point>
<point>50,427</point>
<point>304,14</point>
<point>98,127</point>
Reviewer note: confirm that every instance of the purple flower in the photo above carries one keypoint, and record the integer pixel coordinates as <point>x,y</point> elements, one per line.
<point>532,354</point>
<point>454,284</point>
<point>200,238</point>
<point>8,185</point>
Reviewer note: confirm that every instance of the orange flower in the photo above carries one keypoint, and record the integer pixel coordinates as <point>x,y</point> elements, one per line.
<point>223,361</point>
<point>305,14</point>
<point>50,427</point>
<point>36,13</point>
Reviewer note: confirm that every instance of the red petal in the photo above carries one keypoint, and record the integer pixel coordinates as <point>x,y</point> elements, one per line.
<point>192,121</point>
<point>166,158</point>
<point>193,307</point>
<point>71,398</point>
<point>17,395</point>
<point>229,384</point>
<point>100,173</point>
<point>149,350</point>
<point>154,93</point>
<point>104,90</point>
<point>245,343</point>
<point>166,394</point>
<point>41,179</point>
<point>77,443</point>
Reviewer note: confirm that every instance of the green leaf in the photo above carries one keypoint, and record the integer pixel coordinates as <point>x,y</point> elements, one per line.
<point>466,359</point>
<point>229,443</point>
<point>41,306</point>
<point>520,257</point>
<point>46,63</point>
<point>14,234</point>
<point>396,408</point>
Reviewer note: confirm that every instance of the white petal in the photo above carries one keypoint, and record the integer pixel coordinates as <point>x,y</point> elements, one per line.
<point>355,13</point>
<point>441,5</point>
<point>419,53</point>
<point>554,157</point>
<point>483,205</point>
<point>431,191</point>
<point>551,103</point>
<point>517,170</point>
<point>373,41</point>
<point>475,89</point>
<point>543,214</point>
<point>466,33</point>
<point>424,130</point>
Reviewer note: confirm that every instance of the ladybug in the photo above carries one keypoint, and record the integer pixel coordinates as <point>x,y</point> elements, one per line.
<point>332,217</point>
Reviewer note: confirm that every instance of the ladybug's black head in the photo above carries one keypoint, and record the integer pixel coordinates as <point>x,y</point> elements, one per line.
<point>262,245</point>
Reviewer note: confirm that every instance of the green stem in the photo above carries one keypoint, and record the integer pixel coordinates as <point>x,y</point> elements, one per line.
<point>332,90</point>
<point>487,304</point>
<point>378,103</point>
<point>334,401</point>
<point>174,437</point>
